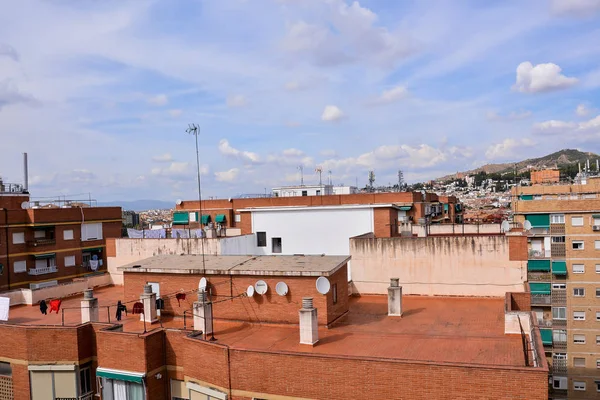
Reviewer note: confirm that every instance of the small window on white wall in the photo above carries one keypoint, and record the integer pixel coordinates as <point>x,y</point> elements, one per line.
<point>576,221</point>
<point>20,266</point>
<point>18,237</point>
<point>579,315</point>
<point>69,261</point>
<point>68,234</point>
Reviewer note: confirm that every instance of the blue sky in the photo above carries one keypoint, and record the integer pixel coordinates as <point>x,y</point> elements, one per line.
<point>100,93</point>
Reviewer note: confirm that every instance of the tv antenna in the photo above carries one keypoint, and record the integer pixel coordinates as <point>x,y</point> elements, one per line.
<point>329,172</point>
<point>301,169</point>
<point>371,179</point>
<point>319,170</point>
<point>194,129</point>
<point>400,180</point>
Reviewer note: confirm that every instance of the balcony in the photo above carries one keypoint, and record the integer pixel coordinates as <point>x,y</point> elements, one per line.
<point>89,396</point>
<point>535,254</point>
<point>556,323</point>
<point>539,231</point>
<point>41,242</point>
<point>557,229</point>
<point>559,345</point>
<point>540,299</point>
<point>544,323</point>
<point>559,297</point>
<point>42,271</point>
<point>534,276</point>
<point>558,249</point>
<point>559,366</point>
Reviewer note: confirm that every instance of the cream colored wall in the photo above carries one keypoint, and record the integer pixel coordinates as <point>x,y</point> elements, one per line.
<point>451,265</point>
<point>455,229</point>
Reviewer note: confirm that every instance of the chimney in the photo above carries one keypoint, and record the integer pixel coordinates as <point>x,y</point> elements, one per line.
<point>25,173</point>
<point>395,298</point>
<point>148,299</point>
<point>309,325</point>
<point>89,307</point>
<point>588,165</point>
<point>203,314</point>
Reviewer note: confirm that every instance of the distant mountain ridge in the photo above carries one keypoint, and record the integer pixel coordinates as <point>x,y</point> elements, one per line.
<point>139,205</point>
<point>557,159</point>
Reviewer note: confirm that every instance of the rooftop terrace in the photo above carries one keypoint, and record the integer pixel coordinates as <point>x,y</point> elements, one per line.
<point>432,329</point>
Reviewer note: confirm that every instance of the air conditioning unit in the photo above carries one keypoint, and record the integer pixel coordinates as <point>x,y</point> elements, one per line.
<point>596,228</point>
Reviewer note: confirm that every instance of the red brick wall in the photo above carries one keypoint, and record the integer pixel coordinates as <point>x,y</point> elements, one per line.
<point>517,248</point>
<point>520,301</point>
<point>245,223</point>
<point>268,308</point>
<point>124,351</point>
<point>385,223</point>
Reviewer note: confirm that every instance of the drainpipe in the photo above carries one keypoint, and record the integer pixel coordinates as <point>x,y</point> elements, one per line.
<point>7,248</point>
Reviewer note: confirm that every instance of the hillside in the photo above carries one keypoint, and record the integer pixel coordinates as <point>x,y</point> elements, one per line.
<point>559,159</point>
<point>139,205</point>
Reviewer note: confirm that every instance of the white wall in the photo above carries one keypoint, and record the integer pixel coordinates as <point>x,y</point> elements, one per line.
<point>238,245</point>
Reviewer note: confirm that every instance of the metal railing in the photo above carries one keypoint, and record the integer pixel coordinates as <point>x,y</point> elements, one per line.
<point>6,187</point>
<point>544,323</point>
<point>539,231</point>
<point>539,276</point>
<point>539,253</point>
<point>41,242</point>
<point>42,271</point>
<point>541,299</point>
<point>88,396</point>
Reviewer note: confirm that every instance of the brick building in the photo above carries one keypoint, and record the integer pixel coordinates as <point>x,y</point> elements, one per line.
<point>542,176</point>
<point>562,245</point>
<point>43,244</point>
<point>229,342</point>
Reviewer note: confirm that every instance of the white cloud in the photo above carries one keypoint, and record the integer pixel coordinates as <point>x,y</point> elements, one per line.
<point>227,176</point>
<point>246,156</point>
<point>82,176</point>
<point>293,152</point>
<point>541,78</point>
<point>332,113</point>
<point>163,158</point>
<point>292,85</point>
<point>328,153</point>
<point>391,95</point>
<point>174,169</point>
<point>507,148</point>
<point>582,110</point>
<point>236,100</point>
<point>553,127</point>
<point>159,100</point>
<point>175,112</point>
<point>512,116</point>
<point>576,7</point>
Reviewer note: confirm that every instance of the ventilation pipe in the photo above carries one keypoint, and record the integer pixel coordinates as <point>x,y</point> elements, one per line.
<point>395,298</point>
<point>148,299</point>
<point>203,314</point>
<point>309,328</point>
<point>25,173</point>
<point>89,307</point>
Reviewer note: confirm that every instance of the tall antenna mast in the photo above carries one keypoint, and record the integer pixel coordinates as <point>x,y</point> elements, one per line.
<point>319,170</point>
<point>329,172</point>
<point>400,180</point>
<point>194,129</point>
<point>371,179</point>
<point>301,169</point>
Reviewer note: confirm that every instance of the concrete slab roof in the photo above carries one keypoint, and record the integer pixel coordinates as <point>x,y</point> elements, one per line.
<point>325,208</point>
<point>273,265</point>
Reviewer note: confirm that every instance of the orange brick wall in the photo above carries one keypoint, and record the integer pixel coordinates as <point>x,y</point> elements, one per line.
<point>268,308</point>
<point>517,248</point>
<point>520,301</point>
<point>545,176</point>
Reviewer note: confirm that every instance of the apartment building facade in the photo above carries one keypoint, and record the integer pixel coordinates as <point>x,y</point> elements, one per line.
<point>43,244</point>
<point>562,223</point>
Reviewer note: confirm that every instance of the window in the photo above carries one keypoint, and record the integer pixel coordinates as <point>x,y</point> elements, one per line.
<point>597,315</point>
<point>5,369</point>
<point>579,362</point>
<point>304,193</point>
<point>318,192</point>
<point>579,385</point>
<point>238,218</point>
<point>559,356</point>
<point>598,363</point>
<point>597,339</point>
<point>598,268</point>
<point>334,293</point>
<point>537,197</point>
<point>578,292</point>
<point>18,237</point>
<point>69,261</point>
<point>20,266</point>
<point>39,234</point>
<point>192,216</point>
<point>68,234</point>
<point>559,286</point>
<point>85,381</point>
<point>579,315</point>
<point>578,244</point>
<point>91,231</point>
<point>579,339</point>
<point>559,312</point>
<point>559,335</point>
<point>45,263</point>
<point>596,221</point>
<point>559,382</point>
<point>597,386</point>
<point>122,390</point>
<point>558,239</point>
<point>261,239</point>
<point>578,268</point>
<point>557,218</point>
<point>276,245</point>
<point>597,292</point>
<point>576,221</point>
<point>597,244</point>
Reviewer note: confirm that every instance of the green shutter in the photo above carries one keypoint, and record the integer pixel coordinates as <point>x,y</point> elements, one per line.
<point>539,220</point>
<point>538,265</point>
<point>559,267</point>
<point>44,256</point>
<point>539,288</point>
<point>206,219</point>
<point>526,197</point>
<point>405,208</point>
<point>446,207</point>
<point>546,336</point>
<point>220,218</point>
<point>181,218</point>
<point>595,215</point>
<point>120,375</point>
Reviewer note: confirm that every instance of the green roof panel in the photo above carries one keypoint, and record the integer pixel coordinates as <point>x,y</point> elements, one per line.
<point>120,375</point>
<point>181,218</point>
<point>44,256</point>
<point>559,267</point>
<point>206,219</point>
<point>526,197</point>
<point>538,265</point>
<point>405,208</point>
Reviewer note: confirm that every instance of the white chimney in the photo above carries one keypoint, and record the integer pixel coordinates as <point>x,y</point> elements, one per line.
<point>89,307</point>
<point>203,314</point>
<point>395,298</point>
<point>309,324</point>
<point>148,299</point>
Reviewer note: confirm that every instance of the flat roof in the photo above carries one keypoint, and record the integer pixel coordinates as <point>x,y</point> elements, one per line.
<point>274,265</point>
<point>312,208</point>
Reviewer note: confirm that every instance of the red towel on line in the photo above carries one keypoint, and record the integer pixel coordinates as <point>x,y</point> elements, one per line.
<point>179,297</point>
<point>138,308</point>
<point>55,305</point>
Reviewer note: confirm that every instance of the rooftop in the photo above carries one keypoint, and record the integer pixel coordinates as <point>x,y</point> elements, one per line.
<point>432,329</point>
<point>280,265</point>
<point>328,207</point>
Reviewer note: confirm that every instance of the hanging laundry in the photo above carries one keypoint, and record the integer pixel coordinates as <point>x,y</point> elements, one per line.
<point>120,309</point>
<point>55,305</point>
<point>160,304</point>
<point>179,297</point>
<point>138,308</point>
<point>43,307</point>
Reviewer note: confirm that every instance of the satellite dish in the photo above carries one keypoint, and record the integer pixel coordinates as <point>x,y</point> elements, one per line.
<point>281,288</point>
<point>25,205</point>
<point>261,287</point>
<point>527,225</point>
<point>505,226</point>
<point>323,285</point>
<point>202,284</point>
<point>250,291</point>
<point>178,202</point>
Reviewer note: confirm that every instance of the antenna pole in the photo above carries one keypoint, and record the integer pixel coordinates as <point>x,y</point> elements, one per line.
<point>195,130</point>
<point>301,168</point>
<point>329,172</point>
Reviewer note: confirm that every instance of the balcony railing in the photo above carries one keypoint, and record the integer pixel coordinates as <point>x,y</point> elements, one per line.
<point>41,242</point>
<point>544,323</point>
<point>541,299</point>
<point>88,396</point>
<point>557,229</point>
<point>559,297</point>
<point>539,231</point>
<point>535,276</point>
<point>559,323</point>
<point>539,254</point>
<point>42,271</point>
<point>559,344</point>
<point>559,366</point>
